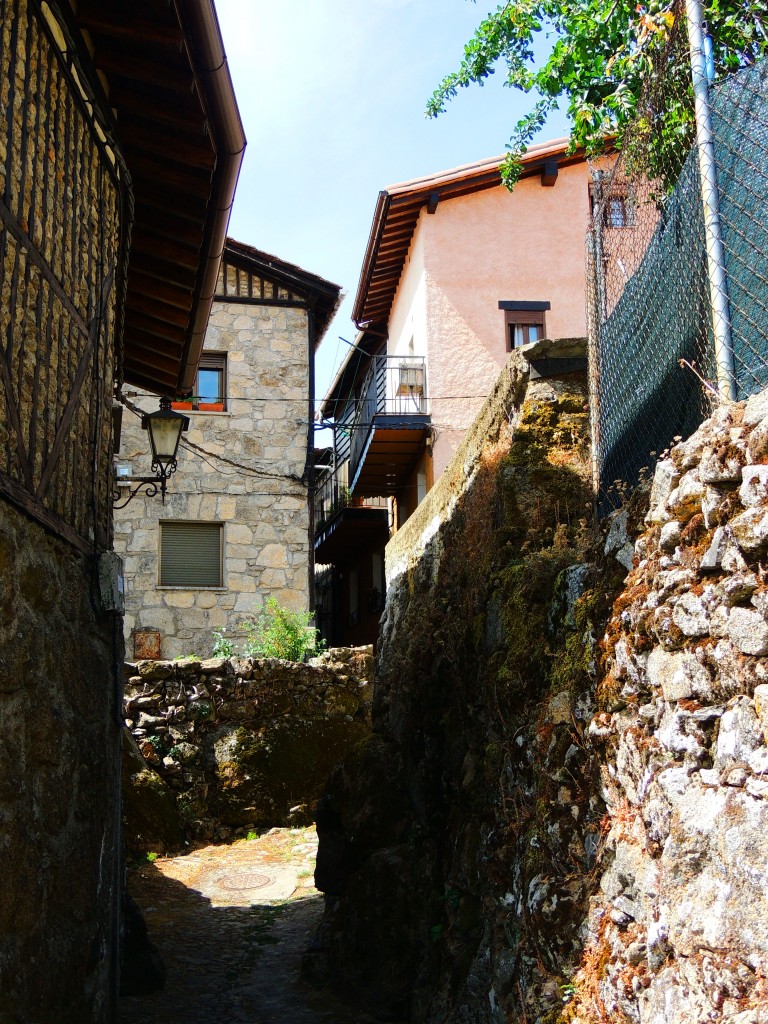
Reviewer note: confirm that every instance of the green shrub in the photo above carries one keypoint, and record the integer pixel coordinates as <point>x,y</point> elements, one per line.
<point>277,632</point>
<point>222,647</point>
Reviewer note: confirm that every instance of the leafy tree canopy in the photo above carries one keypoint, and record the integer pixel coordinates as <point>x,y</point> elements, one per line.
<point>603,52</point>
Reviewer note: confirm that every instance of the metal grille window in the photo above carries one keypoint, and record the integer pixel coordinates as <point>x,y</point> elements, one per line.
<point>190,555</point>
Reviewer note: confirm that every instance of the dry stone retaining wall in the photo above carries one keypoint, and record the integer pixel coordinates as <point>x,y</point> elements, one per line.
<point>456,849</point>
<point>564,796</point>
<point>679,927</point>
<point>239,742</point>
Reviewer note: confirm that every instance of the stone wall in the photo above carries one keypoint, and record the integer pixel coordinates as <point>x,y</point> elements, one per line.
<point>262,502</point>
<point>59,782</point>
<point>240,743</point>
<point>439,837</point>
<point>678,930</point>
<point>60,238</point>
<point>563,798</point>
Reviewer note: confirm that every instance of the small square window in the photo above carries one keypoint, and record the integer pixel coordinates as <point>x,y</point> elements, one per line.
<point>191,555</point>
<point>210,394</point>
<point>617,212</point>
<point>523,322</point>
<point>614,203</point>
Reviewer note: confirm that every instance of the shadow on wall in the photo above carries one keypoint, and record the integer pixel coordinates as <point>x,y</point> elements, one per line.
<point>458,842</point>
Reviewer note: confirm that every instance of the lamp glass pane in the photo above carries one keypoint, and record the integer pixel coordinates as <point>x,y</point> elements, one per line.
<point>165,433</point>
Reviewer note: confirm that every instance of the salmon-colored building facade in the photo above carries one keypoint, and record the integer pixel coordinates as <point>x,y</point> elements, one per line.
<point>458,271</point>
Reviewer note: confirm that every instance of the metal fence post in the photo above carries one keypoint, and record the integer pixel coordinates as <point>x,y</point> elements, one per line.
<point>718,282</point>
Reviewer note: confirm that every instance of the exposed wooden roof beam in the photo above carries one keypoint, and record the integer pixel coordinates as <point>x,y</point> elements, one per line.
<point>385,265</point>
<point>158,107</point>
<point>116,63</point>
<point>183,255</point>
<point>155,381</point>
<point>176,222</point>
<point>154,309</point>
<point>133,29</point>
<point>147,353</point>
<point>188,181</point>
<point>154,336</point>
<point>173,148</point>
<point>165,270</point>
<point>169,294</point>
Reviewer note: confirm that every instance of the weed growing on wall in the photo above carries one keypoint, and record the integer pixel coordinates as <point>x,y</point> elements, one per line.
<point>277,632</point>
<point>222,646</point>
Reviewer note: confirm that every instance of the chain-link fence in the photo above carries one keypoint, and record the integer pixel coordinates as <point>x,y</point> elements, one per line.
<point>653,345</point>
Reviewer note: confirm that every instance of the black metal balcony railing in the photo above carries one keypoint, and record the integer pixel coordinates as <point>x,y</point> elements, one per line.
<point>333,494</point>
<point>394,386</point>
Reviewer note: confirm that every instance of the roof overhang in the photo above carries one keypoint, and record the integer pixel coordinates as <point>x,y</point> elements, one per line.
<point>165,76</point>
<point>320,295</point>
<point>397,212</point>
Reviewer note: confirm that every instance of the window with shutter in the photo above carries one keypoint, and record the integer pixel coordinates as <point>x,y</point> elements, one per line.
<point>210,393</point>
<point>524,322</point>
<point>190,555</point>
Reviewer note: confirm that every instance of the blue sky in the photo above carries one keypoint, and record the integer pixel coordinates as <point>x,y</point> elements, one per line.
<point>332,95</point>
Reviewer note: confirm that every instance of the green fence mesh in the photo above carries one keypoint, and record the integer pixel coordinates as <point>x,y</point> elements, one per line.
<point>650,304</point>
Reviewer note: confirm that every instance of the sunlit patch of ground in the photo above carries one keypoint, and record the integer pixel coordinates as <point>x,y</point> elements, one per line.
<point>231,924</point>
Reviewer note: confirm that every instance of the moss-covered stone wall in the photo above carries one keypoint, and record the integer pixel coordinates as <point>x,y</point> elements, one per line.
<point>457,846</point>
<point>561,814</point>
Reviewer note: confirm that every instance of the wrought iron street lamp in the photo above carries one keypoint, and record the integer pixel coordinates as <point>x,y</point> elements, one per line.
<point>165,427</point>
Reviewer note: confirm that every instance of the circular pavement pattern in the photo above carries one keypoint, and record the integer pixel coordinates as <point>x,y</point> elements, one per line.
<point>232,924</point>
<point>241,881</point>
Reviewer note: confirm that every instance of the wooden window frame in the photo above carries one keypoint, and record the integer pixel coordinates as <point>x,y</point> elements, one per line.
<point>523,314</point>
<point>208,361</point>
<point>164,524</point>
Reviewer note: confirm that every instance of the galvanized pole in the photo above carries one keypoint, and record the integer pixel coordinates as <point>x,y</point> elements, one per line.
<point>596,315</point>
<point>718,282</point>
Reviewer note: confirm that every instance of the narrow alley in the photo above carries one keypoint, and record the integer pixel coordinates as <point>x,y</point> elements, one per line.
<point>231,924</point>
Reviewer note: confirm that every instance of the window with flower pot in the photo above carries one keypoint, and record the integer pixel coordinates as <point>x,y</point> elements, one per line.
<point>210,394</point>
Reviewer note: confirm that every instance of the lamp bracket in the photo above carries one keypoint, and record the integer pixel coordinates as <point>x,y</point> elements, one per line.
<point>149,482</point>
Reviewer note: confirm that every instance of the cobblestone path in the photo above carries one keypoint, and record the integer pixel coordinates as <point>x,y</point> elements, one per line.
<point>231,923</point>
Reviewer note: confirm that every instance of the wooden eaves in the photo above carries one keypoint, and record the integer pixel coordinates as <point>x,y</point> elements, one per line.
<point>398,208</point>
<point>163,69</point>
<point>320,295</point>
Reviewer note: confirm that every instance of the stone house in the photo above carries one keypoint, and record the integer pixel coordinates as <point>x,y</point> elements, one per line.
<point>457,273</point>
<point>119,153</point>
<point>234,528</point>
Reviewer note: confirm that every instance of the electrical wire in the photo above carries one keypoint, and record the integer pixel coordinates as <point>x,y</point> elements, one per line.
<point>350,402</point>
<point>206,453</point>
